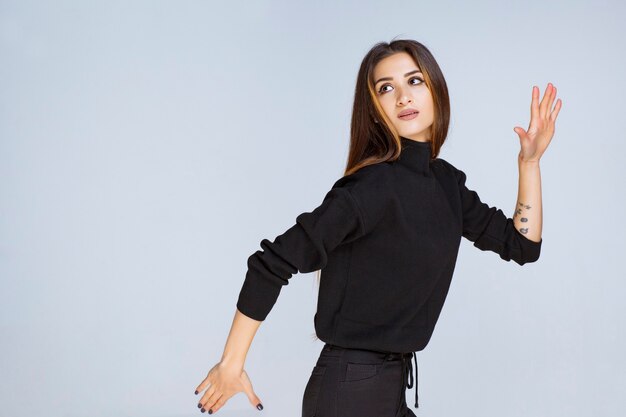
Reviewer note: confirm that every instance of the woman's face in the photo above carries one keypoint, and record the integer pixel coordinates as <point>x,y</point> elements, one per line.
<point>400,87</point>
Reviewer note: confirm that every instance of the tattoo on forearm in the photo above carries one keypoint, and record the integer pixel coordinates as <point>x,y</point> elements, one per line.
<point>523,230</point>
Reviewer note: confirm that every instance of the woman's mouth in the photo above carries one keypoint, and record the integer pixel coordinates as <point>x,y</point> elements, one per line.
<point>409,115</point>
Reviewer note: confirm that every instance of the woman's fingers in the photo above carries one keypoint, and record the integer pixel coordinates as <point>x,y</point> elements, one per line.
<point>543,111</point>
<point>552,97</point>
<point>214,402</point>
<point>543,107</point>
<point>205,382</point>
<point>223,382</point>
<point>521,132</point>
<point>204,400</point>
<point>247,387</point>
<point>555,112</point>
<point>534,104</point>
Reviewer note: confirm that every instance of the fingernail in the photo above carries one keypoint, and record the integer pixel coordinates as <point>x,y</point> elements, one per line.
<point>199,405</point>
<point>196,392</point>
<point>259,406</point>
<point>210,411</point>
<point>203,410</point>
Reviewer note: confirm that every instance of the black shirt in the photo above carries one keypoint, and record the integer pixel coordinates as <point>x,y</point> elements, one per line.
<point>386,239</point>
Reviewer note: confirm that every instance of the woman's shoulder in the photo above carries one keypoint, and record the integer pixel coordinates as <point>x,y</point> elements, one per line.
<point>370,189</point>
<point>444,164</point>
<point>446,167</point>
<point>374,176</point>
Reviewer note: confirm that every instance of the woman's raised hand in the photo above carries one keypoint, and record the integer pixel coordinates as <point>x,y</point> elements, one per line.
<point>541,129</point>
<point>224,381</point>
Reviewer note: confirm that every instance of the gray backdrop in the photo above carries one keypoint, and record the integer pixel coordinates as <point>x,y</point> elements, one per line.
<point>147,147</point>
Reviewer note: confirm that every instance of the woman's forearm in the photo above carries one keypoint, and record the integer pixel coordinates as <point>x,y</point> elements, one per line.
<point>239,339</point>
<point>528,215</point>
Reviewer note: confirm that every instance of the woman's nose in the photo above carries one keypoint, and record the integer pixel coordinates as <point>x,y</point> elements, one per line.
<point>405,100</point>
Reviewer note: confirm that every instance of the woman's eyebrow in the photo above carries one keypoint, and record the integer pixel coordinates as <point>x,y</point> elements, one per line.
<point>391,78</point>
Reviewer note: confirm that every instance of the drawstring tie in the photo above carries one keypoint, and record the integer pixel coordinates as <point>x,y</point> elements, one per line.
<point>407,373</point>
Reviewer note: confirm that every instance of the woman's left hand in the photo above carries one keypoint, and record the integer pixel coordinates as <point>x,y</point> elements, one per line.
<point>536,139</point>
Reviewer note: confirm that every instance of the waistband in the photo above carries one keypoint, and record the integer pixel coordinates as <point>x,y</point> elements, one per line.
<point>407,366</point>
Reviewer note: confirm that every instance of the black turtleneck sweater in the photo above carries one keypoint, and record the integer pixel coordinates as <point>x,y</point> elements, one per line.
<point>386,239</point>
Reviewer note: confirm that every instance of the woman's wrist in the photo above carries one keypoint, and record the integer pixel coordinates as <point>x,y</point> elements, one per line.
<point>528,163</point>
<point>232,361</point>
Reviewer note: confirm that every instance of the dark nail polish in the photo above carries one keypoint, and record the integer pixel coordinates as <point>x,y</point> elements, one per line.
<point>203,410</point>
<point>259,406</point>
<point>199,405</point>
<point>196,393</point>
<point>210,411</point>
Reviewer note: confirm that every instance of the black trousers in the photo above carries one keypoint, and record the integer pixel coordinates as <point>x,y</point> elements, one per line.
<point>358,383</point>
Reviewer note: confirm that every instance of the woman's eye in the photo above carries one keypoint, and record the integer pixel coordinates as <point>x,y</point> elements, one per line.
<point>382,89</point>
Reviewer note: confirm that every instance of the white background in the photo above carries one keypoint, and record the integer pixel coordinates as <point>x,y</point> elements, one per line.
<point>146,148</point>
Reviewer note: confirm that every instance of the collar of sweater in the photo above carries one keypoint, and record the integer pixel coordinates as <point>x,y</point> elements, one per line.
<point>415,155</point>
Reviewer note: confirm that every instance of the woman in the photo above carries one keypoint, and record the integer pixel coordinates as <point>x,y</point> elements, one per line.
<point>386,238</point>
